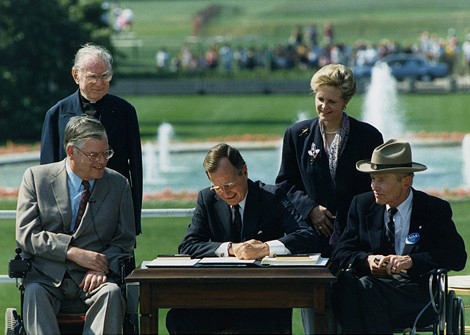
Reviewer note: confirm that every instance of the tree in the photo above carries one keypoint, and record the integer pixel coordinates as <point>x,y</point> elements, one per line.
<point>38,41</point>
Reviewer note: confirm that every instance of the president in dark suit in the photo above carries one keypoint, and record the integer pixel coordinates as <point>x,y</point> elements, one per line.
<point>249,220</point>
<point>92,71</point>
<point>74,222</point>
<point>394,236</point>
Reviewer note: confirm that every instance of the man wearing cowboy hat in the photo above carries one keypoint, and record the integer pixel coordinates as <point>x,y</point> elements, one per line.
<point>394,236</point>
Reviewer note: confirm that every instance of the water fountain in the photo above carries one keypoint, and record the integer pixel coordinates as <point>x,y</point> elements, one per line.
<point>466,159</point>
<point>150,164</point>
<point>165,131</point>
<point>381,107</point>
<point>303,115</point>
<point>153,166</point>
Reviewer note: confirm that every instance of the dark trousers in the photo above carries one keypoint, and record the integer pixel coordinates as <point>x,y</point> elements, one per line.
<point>372,305</point>
<point>229,321</point>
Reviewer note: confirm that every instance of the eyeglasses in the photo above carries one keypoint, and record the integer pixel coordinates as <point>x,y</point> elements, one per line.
<point>227,187</point>
<point>92,78</point>
<point>96,156</point>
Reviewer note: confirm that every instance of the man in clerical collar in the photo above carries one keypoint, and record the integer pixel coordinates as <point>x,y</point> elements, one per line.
<point>92,71</point>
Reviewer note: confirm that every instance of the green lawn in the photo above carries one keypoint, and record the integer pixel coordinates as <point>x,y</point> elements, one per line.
<point>198,117</point>
<point>162,236</point>
<point>270,22</point>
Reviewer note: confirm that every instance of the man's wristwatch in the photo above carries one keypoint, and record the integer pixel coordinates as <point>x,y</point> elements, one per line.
<point>229,245</point>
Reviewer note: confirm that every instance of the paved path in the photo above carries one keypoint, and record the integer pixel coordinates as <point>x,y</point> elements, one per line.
<point>204,86</point>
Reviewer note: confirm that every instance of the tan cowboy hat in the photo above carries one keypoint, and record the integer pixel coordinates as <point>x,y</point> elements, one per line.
<point>393,157</point>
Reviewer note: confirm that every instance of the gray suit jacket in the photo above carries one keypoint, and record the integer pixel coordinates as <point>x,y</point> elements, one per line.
<point>43,223</point>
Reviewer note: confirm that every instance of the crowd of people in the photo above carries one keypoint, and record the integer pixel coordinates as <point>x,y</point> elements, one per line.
<point>305,50</point>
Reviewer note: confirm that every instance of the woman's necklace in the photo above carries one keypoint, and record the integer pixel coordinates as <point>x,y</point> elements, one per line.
<point>331,132</point>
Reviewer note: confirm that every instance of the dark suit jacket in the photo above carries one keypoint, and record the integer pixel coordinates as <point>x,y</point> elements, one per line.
<point>439,246</point>
<point>308,181</point>
<point>268,215</point>
<point>119,118</point>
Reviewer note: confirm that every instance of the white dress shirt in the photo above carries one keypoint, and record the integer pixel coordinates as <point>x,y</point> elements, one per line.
<point>402,222</point>
<point>276,247</point>
<point>75,187</point>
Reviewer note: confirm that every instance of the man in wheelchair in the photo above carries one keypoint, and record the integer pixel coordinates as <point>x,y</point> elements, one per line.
<point>75,223</point>
<point>394,237</point>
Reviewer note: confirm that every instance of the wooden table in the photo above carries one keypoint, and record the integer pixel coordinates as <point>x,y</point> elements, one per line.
<point>232,287</point>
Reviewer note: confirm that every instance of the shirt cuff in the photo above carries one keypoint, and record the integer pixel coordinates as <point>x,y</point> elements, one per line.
<point>222,250</point>
<point>276,247</point>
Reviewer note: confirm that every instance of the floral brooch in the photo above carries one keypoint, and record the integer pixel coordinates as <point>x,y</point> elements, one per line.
<point>313,152</point>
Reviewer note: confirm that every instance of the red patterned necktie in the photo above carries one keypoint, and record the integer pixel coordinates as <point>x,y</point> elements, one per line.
<point>83,202</point>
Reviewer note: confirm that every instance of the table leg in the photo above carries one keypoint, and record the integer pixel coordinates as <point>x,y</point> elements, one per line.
<point>148,317</point>
<point>320,310</point>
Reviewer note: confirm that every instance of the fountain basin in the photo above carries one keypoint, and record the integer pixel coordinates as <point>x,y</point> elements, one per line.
<point>444,160</point>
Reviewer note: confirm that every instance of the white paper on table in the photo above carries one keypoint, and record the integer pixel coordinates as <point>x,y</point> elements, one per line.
<point>315,260</point>
<point>322,261</point>
<point>226,260</point>
<point>172,262</point>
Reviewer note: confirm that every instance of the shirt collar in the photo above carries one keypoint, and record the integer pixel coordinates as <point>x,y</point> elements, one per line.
<point>86,104</point>
<point>243,202</point>
<point>405,205</point>
<point>74,180</point>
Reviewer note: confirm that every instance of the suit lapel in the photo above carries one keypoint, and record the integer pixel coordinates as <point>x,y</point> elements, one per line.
<point>251,213</point>
<point>73,109</point>
<point>98,194</point>
<point>108,117</point>
<point>418,216</point>
<point>225,215</point>
<point>318,167</point>
<point>318,139</point>
<point>59,189</point>
<point>375,226</point>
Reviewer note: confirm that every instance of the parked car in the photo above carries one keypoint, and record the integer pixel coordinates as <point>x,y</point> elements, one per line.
<point>406,66</point>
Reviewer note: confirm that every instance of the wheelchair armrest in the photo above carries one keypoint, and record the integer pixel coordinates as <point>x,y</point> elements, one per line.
<point>126,265</point>
<point>18,266</point>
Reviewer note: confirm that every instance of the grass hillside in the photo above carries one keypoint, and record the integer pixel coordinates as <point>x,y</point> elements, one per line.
<point>270,22</point>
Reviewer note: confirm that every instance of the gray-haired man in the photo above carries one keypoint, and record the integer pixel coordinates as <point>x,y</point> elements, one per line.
<point>92,72</point>
<point>75,222</point>
<point>246,219</point>
<point>394,236</point>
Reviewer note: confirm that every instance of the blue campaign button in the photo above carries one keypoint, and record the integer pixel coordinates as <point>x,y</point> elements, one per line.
<point>412,238</point>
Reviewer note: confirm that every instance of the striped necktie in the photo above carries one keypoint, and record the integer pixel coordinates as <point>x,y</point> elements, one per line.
<point>83,202</point>
<point>390,227</point>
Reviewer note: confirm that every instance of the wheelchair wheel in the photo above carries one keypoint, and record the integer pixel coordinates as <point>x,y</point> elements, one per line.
<point>11,319</point>
<point>458,322</point>
<point>450,312</point>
